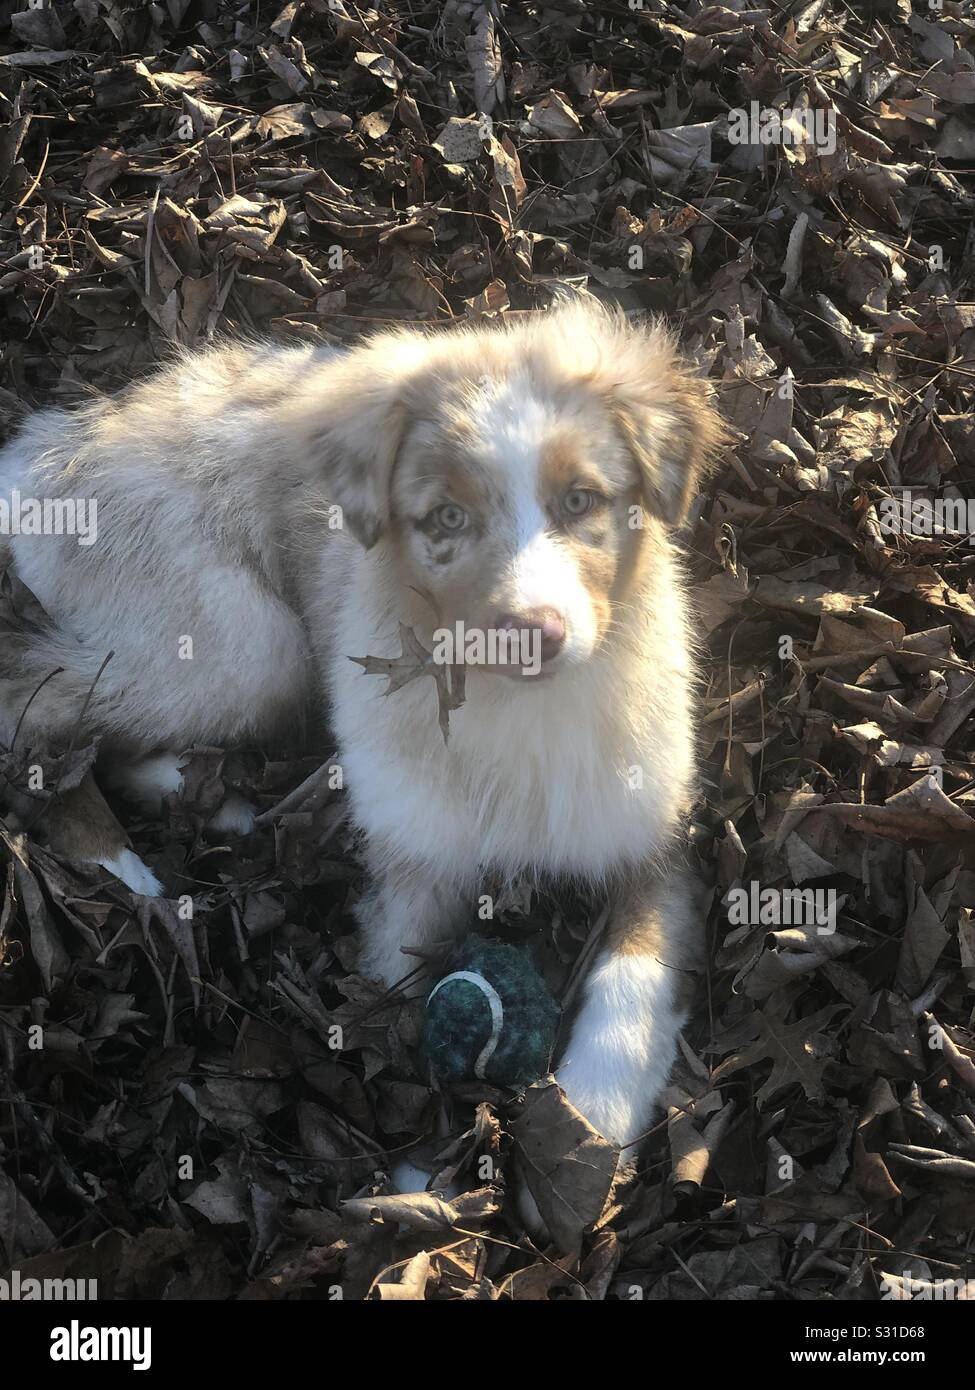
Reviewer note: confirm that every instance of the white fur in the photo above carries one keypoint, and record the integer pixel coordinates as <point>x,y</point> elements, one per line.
<point>127,866</point>
<point>234,816</point>
<point>148,780</point>
<point>213,525</point>
<point>512,421</point>
<point>532,778</point>
<point>622,1046</point>
<point>407,1177</point>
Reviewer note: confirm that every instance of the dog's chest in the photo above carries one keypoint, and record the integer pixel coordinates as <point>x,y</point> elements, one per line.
<point>584,773</point>
<point>535,781</point>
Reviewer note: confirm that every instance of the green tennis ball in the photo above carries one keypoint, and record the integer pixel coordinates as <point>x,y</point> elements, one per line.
<point>491,1019</point>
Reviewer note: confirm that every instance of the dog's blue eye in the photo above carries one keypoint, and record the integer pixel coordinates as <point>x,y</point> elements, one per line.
<point>578,500</point>
<point>451,517</point>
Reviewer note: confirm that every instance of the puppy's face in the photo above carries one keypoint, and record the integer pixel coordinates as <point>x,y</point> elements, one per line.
<point>515,509</point>
<point>518,479</point>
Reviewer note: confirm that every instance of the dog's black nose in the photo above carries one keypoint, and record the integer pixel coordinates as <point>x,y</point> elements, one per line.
<point>549,624</point>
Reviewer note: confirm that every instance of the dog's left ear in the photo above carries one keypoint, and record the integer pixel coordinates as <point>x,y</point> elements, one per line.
<point>670,426</point>
<point>351,426</point>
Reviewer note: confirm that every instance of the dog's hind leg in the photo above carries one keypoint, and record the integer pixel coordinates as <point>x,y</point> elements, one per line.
<point>80,827</point>
<point>47,699</point>
<point>146,781</point>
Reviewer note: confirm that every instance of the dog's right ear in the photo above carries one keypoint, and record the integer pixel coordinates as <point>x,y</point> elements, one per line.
<point>351,423</point>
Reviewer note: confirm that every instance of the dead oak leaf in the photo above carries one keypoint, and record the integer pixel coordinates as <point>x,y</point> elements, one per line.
<point>568,1167</point>
<point>796,1050</point>
<point>413,662</point>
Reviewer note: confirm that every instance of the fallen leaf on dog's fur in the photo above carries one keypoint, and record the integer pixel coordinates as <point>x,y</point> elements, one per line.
<point>415,661</point>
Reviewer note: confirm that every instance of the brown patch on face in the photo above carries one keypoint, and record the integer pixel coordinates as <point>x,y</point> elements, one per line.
<point>639,544</point>
<point>452,570</point>
<point>597,565</point>
<point>564,466</point>
<point>606,549</point>
<point>430,475</point>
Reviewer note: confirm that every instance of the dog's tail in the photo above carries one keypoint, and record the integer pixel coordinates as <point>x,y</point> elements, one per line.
<point>49,694</point>
<point>49,688</point>
<point>51,685</point>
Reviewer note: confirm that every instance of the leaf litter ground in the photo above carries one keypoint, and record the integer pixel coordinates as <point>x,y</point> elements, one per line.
<point>189,1127</point>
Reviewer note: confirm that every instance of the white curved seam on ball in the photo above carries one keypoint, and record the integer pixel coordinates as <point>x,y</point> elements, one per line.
<point>497,1014</point>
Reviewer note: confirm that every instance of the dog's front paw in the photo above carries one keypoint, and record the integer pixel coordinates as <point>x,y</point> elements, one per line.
<point>531,1217</point>
<point>407,1177</point>
<point>234,816</point>
<point>610,1114</point>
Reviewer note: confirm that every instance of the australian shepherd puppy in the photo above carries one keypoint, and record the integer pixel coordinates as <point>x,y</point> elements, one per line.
<point>266,512</point>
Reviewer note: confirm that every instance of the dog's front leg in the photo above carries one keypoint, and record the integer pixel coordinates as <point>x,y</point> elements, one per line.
<point>405,908</point>
<point>624,1039</point>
